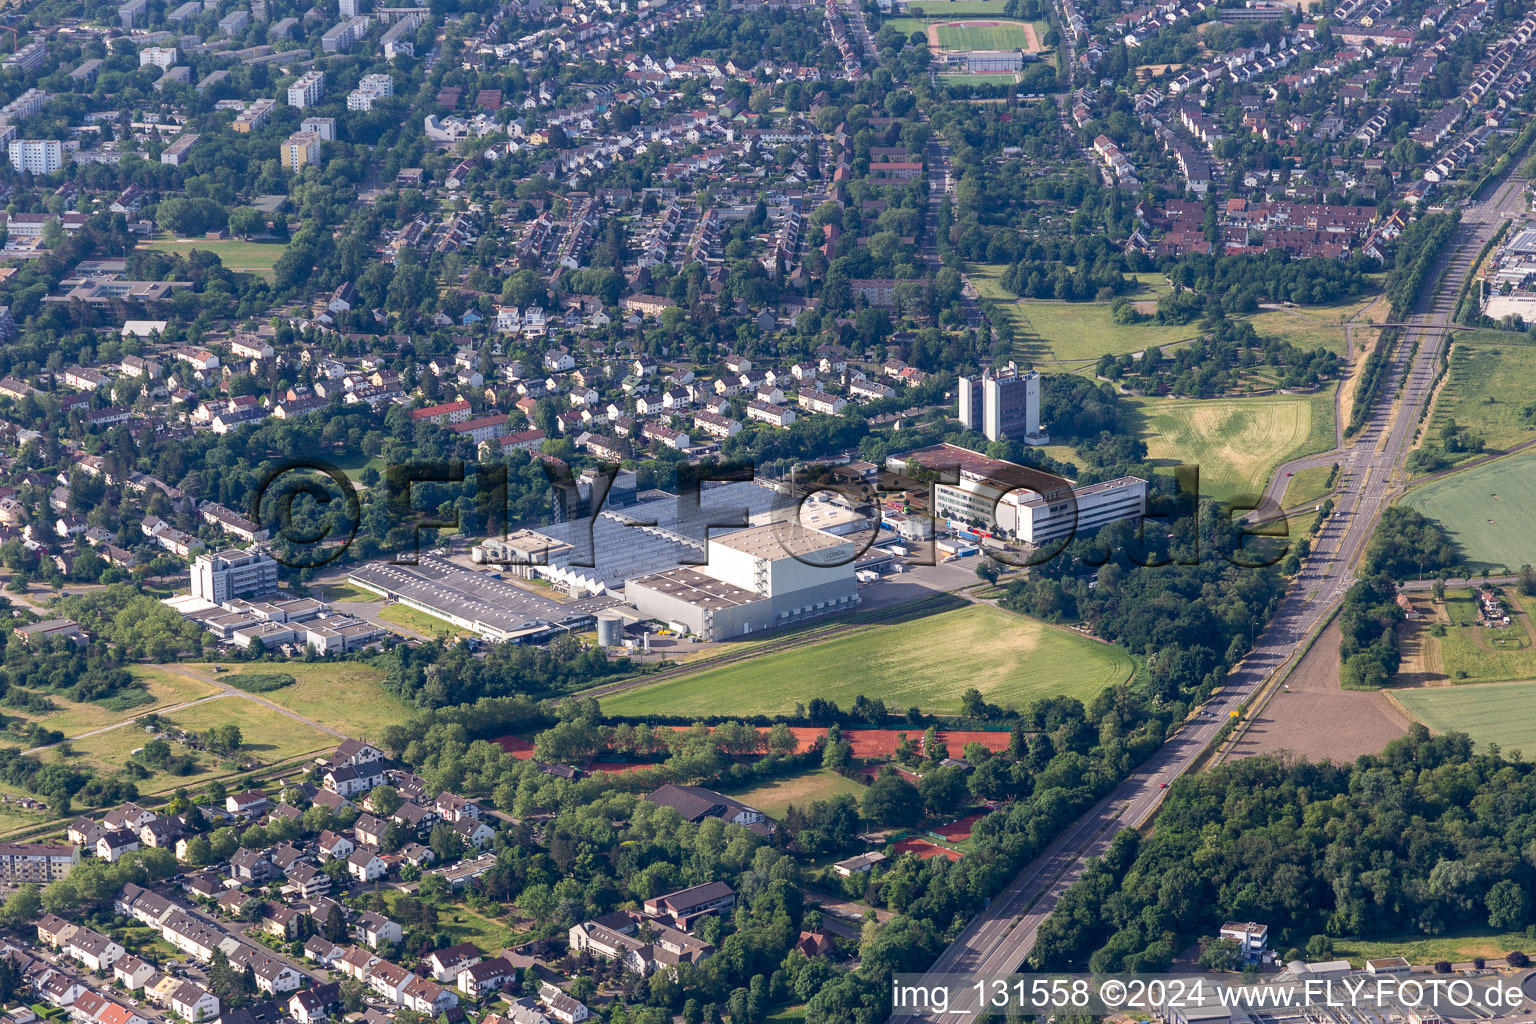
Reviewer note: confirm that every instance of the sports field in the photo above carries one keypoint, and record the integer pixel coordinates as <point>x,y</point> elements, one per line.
<point>1490,389</point>
<point>1488,712</point>
<point>927,663</point>
<point>1003,78</point>
<point>1236,442</point>
<point>1487,512</point>
<point>986,35</point>
<point>255,257</point>
<point>773,798</point>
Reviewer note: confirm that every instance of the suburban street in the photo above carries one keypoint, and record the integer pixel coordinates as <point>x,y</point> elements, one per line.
<point>998,940</point>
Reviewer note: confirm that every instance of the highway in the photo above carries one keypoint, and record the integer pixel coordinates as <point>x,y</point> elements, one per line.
<point>999,939</point>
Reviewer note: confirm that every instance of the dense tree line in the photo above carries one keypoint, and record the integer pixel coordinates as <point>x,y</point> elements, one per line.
<point>1405,544</point>
<point>1239,283</point>
<point>1193,609</point>
<point>1408,543</point>
<point>1224,357</point>
<point>1368,620</point>
<point>1427,837</point>
<point>435,675</point>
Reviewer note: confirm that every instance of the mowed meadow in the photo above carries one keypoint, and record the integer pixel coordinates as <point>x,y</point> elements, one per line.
<point>1236,442</point>
<point>1488,712</point>
<point>926,663</point>
<point>1487,512</point>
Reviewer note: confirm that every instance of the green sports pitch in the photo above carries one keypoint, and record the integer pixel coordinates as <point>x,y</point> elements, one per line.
<point>1002,35</point>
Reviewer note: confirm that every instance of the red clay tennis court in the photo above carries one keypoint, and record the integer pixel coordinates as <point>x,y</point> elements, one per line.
<point>882,742</point>
<point>924,849</point>
<point>865,742</point>
<point>958,830</point>
<point>520,747</point>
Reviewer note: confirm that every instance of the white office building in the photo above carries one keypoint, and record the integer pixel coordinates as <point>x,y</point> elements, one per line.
<point>223,575</point>
<point>1003,403</point>
<point>754,579</point>
<point>1019,502</point>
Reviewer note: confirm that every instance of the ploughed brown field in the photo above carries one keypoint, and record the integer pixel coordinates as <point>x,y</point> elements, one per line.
<point>1317,719</point>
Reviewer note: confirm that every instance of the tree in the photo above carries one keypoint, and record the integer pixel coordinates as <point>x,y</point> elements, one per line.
<point>435,887</point>
<point>334,927</point>
<point>1508,905</point>
<point>246,221</point>
<point>22,906</point>
<point>891,800</point>
<point>943,790</point>
<point>1223,954</point>
<point>972,704</point>
<point>445,842</point>
<point>384,800</point>
<point>10,979</point>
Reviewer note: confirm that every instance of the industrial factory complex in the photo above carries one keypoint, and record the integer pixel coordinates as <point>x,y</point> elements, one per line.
<point>745,556</point>
<point>734,559</point>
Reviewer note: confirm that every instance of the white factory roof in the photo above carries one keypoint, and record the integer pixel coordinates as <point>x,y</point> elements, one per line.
<point>779,540</point>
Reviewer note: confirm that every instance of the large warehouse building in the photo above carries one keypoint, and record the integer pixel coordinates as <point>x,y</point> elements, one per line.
<point>755,579</point>
<point>656,533</point>
<point>1017,501</point>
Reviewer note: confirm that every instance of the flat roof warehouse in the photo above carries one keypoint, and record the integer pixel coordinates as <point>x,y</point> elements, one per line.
<point>475,601</point>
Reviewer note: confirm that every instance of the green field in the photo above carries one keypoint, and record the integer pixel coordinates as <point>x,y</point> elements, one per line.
<point>166,687</point>
<point>346,696</point>
<point>1300,330</point>
<point>1488,712</point>
<point>773,798</point>
<point>1307,486</point>
<point>1472,653</point>
<point>346,592</point>
<point>1236,442</point>
<point>1486,510</point>
<point>928,663</point>
<point>270,735</point>
<point>256,257</point>
<point>420,622</point>
<point>1070,332</point>
<point>1456,946</point>
<point>1002,36</point>
<point>1489,385</point>
<point>461,924</point>
<point>964,79</point>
